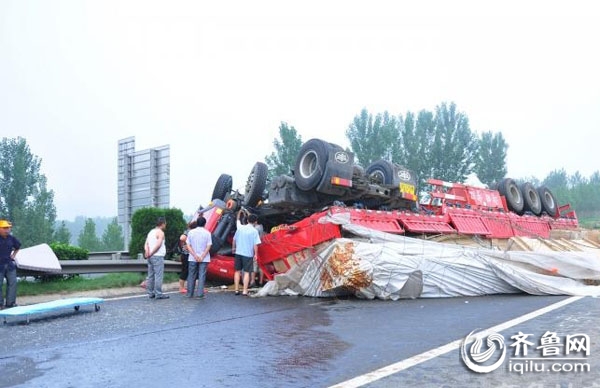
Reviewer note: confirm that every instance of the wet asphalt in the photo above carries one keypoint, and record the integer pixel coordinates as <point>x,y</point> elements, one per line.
<point>232,341</point>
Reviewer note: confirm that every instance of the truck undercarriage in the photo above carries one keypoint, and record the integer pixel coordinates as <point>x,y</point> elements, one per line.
<point>326,183</point>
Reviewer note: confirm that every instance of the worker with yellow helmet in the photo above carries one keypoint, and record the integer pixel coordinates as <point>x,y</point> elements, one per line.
<point>9,246</point>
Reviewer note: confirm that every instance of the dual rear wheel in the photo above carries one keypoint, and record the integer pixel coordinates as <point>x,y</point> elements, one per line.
<point>526,198</point>
<point>255,185</point>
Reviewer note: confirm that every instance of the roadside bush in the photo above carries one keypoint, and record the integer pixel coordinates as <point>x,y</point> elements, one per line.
<point>69,252</point>
<point>143,220</point>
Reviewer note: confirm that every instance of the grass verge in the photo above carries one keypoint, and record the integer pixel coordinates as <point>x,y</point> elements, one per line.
<point>78,283</point>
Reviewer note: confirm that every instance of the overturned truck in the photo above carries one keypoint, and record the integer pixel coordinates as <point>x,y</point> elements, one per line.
<point>319,216</point>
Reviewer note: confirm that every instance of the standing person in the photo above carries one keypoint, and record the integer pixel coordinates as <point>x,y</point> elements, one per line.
<point>199,242</point>
<point>255,267</point>
<point>9,246</point>
<point>183,275</point>
<point>245,247</point>
<point>154,252</point>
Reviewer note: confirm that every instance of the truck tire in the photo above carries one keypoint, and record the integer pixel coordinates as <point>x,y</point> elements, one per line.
<point>548,201</point>
<point>222,187</point>
<point>531,199</point>
<point>381,172</point>
<point>358,171</point>
<point>514,199</point>
<point>255,185</point>
<point>310,164</point>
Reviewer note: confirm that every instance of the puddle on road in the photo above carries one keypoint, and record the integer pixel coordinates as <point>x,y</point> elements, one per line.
<point>300,345</point>
<point>18,370</point>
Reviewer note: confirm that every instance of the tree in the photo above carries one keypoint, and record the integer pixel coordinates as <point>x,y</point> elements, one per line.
<point>112,239</point>
<point>62,234</point>
<point>416,139</point>
<point>282,160</point>
<point>143,220</point>
<point>371,138</point>
<point>24,197</point>
<point>580,192</point>
<point>591,196</point>
<point>490,161</point>
<point>454,145</point>
<point>87,238</point>
<point>558,182</point>
<point>40,216</point>
<point>556,179</point>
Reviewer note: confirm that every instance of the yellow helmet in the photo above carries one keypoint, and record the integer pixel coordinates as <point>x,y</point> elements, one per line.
<point>5,224</point>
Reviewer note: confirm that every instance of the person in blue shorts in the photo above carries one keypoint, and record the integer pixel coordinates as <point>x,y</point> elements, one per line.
<point>245,247</point>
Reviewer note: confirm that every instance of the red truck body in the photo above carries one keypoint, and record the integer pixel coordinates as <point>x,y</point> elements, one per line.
<point>463,211</point>
<point>381,197</point>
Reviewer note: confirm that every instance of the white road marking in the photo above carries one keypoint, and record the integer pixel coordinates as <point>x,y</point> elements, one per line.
<point>426,356</point>
<point>128,297</point>
<point>145,295</point>
<point>137,296</point>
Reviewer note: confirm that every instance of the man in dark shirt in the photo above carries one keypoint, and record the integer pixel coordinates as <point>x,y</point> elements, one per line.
<point>9,246</point>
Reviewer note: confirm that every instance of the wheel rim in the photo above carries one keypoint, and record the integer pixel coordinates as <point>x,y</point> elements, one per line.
<point>377,176</point>
<point>309,164</point>
<point>549,200</point>
<point>515,193</point>
<point>533,198</point>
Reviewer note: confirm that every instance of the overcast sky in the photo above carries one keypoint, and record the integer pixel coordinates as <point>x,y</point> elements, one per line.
<point>215,79</point>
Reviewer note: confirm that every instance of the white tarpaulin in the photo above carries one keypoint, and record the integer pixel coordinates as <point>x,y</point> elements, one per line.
<point>375,264</point>
<point>38,258</point>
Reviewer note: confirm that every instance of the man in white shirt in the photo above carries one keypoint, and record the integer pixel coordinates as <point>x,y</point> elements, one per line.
<point>154,252</point>
<point>199,241</point>
<point>245,248</point>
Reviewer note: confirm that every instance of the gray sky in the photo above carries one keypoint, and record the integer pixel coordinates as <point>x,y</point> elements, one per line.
<point>215,79</point>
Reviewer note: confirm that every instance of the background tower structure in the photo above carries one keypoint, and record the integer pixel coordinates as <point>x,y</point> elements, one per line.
<point>144,181</point>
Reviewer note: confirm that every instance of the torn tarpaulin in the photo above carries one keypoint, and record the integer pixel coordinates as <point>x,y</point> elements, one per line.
<point>375,264</point>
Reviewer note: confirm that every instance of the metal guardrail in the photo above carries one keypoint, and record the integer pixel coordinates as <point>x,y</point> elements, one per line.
<point>109,256</point>
<point>112,266</point>
<point>105,262</point>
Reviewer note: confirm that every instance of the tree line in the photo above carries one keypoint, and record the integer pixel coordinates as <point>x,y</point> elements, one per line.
<point>437,144</point>
<point>112,238</point>
<point>434,144</point>
<point>27,202</point>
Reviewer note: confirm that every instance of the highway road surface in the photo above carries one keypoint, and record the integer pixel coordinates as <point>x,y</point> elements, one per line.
<point>235,341</point>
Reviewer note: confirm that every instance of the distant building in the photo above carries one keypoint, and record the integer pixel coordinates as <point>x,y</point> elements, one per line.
<point>144,181</point>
